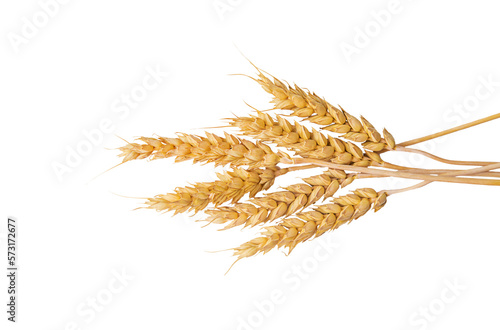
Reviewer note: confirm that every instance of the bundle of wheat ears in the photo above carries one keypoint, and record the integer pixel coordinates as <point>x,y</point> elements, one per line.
<point>269,145</point>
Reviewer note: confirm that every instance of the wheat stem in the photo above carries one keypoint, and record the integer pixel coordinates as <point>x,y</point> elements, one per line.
<point>299,168</point>
<point>434,171</point>
<point>442,160</point>
<point>406,175</point>
<point>449,131</point>
<point>416,186</point>
<point>474,171</point>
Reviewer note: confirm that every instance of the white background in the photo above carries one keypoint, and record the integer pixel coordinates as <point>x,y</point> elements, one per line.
<point>384,270</point>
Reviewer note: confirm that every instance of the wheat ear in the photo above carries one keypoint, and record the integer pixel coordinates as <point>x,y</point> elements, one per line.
<point>302,103</point>
<point>292,231</point>
<point>305,142</point>
<point>282,203</point>
<point>231,186</point>
<point>227,150</point>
